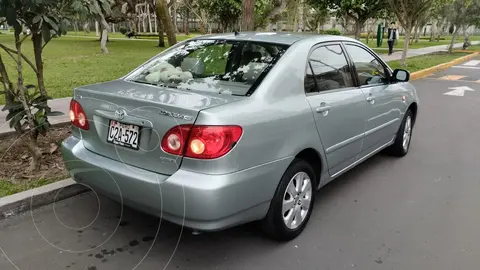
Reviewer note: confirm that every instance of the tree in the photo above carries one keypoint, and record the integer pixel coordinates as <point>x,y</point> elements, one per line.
<point>408,13</point>
<point>27,106</point>
<point>98,9</point>
<point>202,16</point>
<point>227,12</point>
<point>272,11</point>
<point>438,14</point>
<point>162,12</point>
<point>462,14</point>
<point>248,15</point>
<point>357,10</point>
<point>317,17</point>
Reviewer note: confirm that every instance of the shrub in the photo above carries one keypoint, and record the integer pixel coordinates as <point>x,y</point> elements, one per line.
<point>123,30</point>
<point>372,35</point>
<point>333,31</point>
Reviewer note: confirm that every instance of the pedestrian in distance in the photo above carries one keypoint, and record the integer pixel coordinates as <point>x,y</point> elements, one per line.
<point>392,37</point>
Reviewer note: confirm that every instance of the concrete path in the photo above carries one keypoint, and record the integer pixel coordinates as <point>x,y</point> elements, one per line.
<point>62,104</point>
<point>422,51</point>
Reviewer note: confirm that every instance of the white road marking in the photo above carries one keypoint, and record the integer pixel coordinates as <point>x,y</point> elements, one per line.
<point>472,63</point>
<point>458,91</point>
<point>466,67</point>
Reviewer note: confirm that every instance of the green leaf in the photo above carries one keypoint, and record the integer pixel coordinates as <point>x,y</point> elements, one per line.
<point>36,19</point>
<point>52,24</point>
<point>15,114</point>
<point>15,120</point>
<point>46,34</point>
<point>11,15</point>
<point>55,113</point>
<point>63,27</point>
<point>13,106</point>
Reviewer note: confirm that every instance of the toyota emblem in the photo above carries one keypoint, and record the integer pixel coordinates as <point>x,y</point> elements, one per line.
<point>120,114</point>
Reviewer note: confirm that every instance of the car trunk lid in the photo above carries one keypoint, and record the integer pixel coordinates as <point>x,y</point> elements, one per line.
<point>154,110</point>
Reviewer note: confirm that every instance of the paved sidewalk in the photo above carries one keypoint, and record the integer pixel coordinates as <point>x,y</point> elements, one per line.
<point>62,104</point>
<point>422,51</point>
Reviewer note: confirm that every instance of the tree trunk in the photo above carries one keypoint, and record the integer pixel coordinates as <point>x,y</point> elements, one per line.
<point>37,51</point>
<point>201,27</point>
<point>161,33</point>
<point>433,30</point>
<point>7,84</point>
<point>150,28</point>
<point>248,15</point>
<point>105,28</point>
<point>454,38</point>
<point>408,33</point>
<point>301,16</point>
<point>358,29</point>
<point>465,32</point>
<point>166,21</point>
<point>184,22</point>
<point>418,32</point>
<point>174,16</point>
<point>97,26</point>
<point>33,134</point>
<point>86,27</point>
<point>187,19</point>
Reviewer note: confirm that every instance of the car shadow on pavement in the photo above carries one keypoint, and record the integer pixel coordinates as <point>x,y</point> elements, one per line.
<point>125,239</point>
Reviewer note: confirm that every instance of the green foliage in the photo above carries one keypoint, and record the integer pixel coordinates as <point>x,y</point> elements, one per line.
<point>40,16</point>
<point>123,30</point>
<point>226,11</point>
<point>262,8</point>
<point>359,10</point>
<point>333,31</point>
<point>36,105</point>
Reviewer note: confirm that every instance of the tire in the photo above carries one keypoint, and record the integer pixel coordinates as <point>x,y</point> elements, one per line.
<point>273,224</point>
<point>399,148</point>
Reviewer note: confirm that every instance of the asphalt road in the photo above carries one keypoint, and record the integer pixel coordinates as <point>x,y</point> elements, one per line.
<point>418,212</point>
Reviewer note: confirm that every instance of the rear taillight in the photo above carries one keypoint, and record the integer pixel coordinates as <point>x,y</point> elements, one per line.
<point>175,140</point>
<point>201,142</point>
<point>77,115</point>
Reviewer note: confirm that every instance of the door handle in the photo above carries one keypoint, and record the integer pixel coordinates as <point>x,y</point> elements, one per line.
<point>323,109</point>
<point>371,99</point>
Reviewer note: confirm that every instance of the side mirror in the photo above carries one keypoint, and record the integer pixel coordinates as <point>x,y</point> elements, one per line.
<point>401,75</point>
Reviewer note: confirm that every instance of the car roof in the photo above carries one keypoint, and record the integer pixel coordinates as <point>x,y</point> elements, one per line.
<point>286,38</point>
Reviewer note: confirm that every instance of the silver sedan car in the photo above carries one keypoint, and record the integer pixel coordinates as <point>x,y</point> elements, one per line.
<point>226,129</point>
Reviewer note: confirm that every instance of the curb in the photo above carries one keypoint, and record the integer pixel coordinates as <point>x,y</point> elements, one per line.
<point>424,73</point>
<point>37,197</point>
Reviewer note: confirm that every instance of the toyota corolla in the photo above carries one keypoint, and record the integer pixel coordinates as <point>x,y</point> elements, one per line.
<point>226,129</point>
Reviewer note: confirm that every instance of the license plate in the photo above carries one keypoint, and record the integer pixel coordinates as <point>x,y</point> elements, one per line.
<point>123,134</point>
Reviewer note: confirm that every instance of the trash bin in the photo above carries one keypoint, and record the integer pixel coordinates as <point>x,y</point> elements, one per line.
<point>379,35</point>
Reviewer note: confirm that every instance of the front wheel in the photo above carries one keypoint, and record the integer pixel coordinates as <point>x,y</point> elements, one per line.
<point>404,136</point>
<point>292,203</point>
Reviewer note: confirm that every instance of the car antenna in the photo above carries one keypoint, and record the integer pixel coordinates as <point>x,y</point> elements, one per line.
<point>236,33</point>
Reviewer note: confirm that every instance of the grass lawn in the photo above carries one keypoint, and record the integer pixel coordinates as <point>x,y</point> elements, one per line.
<point>7,188</point>
<point>425,61</point>
<point>71,62</point>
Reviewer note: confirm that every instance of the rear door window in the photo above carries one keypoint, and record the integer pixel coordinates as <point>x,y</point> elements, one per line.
<point>329,69</point>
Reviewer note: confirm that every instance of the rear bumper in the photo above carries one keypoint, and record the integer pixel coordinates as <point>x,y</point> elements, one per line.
<point>199,201</point>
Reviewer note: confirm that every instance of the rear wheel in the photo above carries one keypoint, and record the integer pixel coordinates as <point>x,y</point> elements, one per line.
<point>292,203</point>
<point>404,136</point>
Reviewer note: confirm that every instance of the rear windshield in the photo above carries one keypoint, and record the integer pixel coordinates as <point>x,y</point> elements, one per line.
<point>224,67</point>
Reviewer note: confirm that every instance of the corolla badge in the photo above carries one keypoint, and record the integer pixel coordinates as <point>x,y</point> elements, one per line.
<point>120,114</point>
